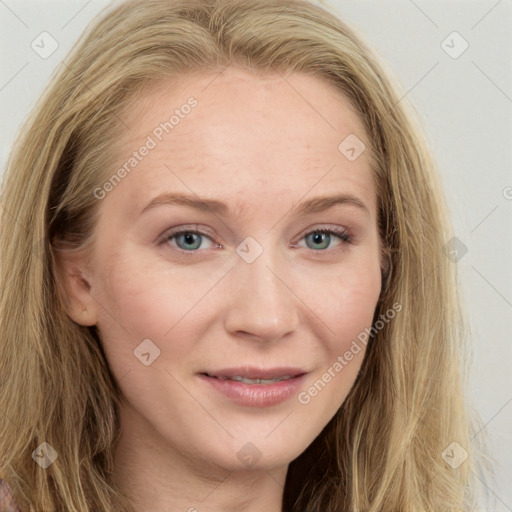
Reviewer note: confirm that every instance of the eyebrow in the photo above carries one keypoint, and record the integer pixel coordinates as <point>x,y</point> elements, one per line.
<point>315,205</point>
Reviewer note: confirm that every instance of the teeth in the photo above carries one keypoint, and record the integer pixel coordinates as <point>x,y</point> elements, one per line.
<point>256,381</point>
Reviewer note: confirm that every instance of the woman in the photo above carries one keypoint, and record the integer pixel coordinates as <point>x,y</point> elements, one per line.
<point>224,283</point>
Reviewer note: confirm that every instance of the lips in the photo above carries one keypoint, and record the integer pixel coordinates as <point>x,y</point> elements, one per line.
<point>255,387</point>
<point>245,380</point>
<point>251,375</point>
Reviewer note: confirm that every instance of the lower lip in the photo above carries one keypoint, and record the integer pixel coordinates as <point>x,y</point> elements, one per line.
<point>256,395</point>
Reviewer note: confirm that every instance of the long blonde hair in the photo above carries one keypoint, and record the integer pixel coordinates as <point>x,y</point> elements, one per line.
<point>383,450</point>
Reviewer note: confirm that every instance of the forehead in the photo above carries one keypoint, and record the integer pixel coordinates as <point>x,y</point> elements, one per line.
<point>246,137</point>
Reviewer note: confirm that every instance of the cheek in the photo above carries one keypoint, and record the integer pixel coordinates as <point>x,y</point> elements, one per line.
<point>143,299</point>
<point>349,295</point>
<point>347,305</point>
<point>355,304</point>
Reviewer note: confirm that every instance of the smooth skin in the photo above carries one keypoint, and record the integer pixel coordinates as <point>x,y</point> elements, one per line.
<point>262,145</point>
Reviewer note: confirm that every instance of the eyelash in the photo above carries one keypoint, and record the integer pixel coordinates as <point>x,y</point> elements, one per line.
<point>341,233</point>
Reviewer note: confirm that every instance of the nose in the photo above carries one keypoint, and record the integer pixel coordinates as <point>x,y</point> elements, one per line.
<point>262,305</point>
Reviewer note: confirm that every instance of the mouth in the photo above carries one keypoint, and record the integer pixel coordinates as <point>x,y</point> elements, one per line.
<point>255,387</point>
<point>247,380</point>
<point>256,376</point>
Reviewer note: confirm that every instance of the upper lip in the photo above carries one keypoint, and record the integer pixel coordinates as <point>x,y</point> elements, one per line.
<point>250,372</point>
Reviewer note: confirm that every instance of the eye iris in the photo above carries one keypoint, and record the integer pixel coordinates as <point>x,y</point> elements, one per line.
<point>189,239</point>
<point>317,239</point>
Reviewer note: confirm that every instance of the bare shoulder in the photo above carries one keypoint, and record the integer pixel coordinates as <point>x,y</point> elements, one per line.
<point>7,503</point>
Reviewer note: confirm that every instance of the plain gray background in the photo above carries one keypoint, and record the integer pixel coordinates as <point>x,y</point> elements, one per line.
<point>464,98</point>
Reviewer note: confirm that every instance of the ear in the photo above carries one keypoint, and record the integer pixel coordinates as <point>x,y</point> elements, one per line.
<point>73,281</point>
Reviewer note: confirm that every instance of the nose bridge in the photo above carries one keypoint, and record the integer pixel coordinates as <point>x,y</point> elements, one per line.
<point>262,277</point>
<point>261,302</point>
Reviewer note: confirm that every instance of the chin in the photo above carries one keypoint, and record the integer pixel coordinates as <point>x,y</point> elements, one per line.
<point>259,452</point>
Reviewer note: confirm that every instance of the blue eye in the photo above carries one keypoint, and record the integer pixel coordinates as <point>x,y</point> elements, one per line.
<point>187,240</point>
<point>322,238</point>
<point>318,240</point>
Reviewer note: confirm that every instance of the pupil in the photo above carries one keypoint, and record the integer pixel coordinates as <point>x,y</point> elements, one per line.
<point>320,238</point>
<point>189,238</point>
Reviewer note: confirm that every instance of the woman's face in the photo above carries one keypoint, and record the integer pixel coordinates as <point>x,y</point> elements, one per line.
<point>256,288</point>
